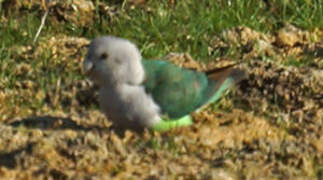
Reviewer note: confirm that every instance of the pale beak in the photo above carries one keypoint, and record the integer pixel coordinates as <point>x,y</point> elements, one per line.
<point>88,66</point>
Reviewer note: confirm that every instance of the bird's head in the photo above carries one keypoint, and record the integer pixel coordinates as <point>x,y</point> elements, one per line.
<point>111,60</point>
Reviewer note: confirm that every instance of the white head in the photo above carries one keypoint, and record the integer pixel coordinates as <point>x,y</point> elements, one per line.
<point>111,60</point>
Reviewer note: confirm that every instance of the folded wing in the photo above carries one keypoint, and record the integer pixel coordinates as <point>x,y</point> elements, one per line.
<point>180,91</point>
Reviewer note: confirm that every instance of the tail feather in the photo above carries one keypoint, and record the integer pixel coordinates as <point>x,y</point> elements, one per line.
<point>221,74</point>
<point>222,79</point>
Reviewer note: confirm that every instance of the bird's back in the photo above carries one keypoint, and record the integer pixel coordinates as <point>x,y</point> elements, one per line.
<point>177,91</point>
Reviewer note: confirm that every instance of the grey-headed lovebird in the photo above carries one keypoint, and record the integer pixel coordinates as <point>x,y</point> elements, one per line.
<point>136,93</point>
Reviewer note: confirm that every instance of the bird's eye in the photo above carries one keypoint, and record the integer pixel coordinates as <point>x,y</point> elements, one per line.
<point>103,56</point>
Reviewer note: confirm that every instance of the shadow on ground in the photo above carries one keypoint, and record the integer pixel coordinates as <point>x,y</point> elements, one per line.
<point>51,123</point>
<point>62,123</point>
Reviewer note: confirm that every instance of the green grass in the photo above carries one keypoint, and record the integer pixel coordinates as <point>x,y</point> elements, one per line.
<point>298,62</point>
<point>187,26</point>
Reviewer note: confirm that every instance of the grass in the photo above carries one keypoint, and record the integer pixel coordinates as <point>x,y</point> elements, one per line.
<point>186,26</point>
<point>298,62</point>
<point>189,26</point>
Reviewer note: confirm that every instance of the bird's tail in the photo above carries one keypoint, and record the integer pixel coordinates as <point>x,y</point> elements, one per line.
<point>222,79</point>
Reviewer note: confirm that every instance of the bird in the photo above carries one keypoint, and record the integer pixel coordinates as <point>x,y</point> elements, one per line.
<point>137,93</point>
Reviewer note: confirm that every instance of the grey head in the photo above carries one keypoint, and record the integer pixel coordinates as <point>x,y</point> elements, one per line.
<point>111,60</point>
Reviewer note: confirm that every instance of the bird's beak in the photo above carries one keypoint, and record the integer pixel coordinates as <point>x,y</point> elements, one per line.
<point>88,66</point>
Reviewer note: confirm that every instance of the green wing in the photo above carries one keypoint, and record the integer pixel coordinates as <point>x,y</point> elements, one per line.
<point>177,91</point>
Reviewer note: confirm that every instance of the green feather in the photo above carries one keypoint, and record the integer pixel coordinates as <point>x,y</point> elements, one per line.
<point>178,91</point>
<point>229,82</point>
<point>166,125</point>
